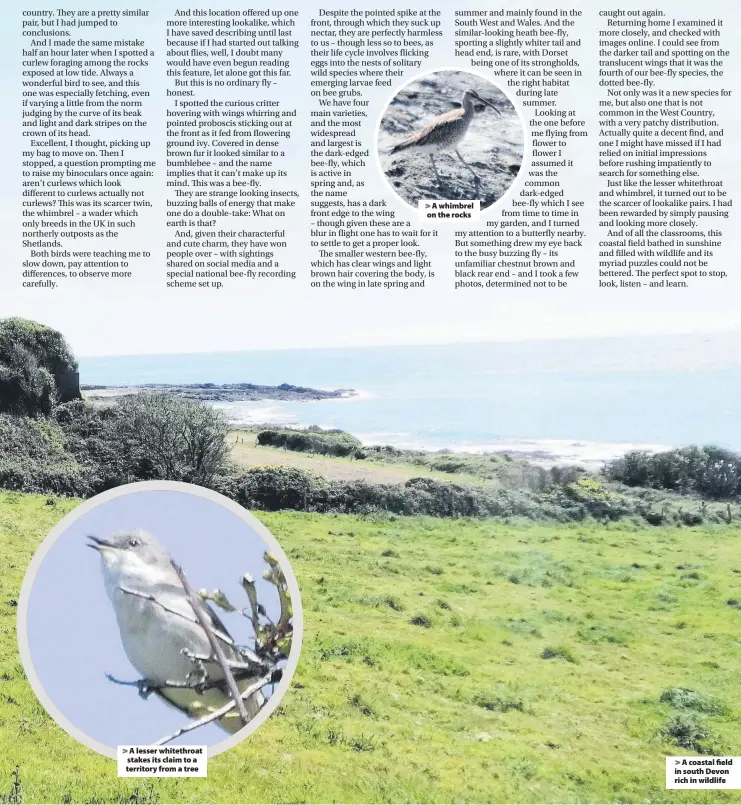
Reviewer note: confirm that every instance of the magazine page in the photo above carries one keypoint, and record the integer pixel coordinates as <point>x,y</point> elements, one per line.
<point>369,402</point>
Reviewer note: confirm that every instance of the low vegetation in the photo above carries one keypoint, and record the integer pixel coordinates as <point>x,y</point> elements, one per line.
<point>82,450</point>
<point>74,448</point>
<point>429,674</point>
<point>505,471</point>
<point>519,635</point>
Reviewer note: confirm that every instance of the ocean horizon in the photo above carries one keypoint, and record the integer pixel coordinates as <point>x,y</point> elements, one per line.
<point>563,401</point>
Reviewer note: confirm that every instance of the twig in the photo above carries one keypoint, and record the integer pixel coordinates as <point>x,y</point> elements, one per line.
<point>248,585</point>
<point>218,597</point>
<point>254,663</point>
<point>147,688</point>
<point>197,606</point>
<point>282,632</point>
<point>222,711</point>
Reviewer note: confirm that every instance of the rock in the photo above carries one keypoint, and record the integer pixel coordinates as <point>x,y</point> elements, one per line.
<point>226,392</point>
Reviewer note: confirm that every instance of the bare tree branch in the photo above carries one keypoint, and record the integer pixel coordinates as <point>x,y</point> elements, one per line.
<point>222,711</point>
<point>272,645</point>
<point>146,687</point>
<point>255,663</point>
<point>203,619</point>
<point>279,635</point>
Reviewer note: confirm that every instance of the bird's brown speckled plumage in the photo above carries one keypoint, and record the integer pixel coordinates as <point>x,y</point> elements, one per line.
<point>447,128</point>
<point>444,131</point>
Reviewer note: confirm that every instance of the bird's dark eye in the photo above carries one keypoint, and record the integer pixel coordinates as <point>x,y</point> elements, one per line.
<point>133,543</point>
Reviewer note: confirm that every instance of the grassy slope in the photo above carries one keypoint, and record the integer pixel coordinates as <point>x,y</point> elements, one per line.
<point>336,468</point>
<point>383,710</point>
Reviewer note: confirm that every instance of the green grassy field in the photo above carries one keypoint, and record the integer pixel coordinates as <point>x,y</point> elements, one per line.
<point>446,661</point>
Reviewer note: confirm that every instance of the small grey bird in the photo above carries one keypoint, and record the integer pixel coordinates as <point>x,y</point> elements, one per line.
<point>162,636</point>
<point>444,132</point>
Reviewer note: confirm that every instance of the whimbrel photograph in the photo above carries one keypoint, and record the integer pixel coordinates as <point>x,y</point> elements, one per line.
<point>450,135</point>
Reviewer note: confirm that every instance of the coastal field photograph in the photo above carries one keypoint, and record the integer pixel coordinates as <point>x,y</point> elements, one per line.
<point>518,561</point>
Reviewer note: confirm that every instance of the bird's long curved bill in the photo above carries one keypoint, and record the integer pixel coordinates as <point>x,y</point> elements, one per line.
<point>489,103</point>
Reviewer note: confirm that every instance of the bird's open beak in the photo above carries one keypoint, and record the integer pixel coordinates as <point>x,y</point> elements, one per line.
<point>489,103</point>
<point>98,543</point>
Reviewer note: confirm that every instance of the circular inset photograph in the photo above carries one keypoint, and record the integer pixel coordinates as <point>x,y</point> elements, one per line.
<point>159,613</point>
<point>450,135</point>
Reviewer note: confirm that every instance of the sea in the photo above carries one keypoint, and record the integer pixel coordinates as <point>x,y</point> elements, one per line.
<point>561,401</point>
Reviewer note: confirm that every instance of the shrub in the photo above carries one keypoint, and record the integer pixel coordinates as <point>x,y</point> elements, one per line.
<point>710,471</point>
<point>383,451</point>
<point>497,702</point>
<point>597,501</point>
<point>688,699</point>
<point>165,438</point>
<point>147,437</point>
<point>312,440</point>
<point>689,731</point>
<point>37,368</point>
<point>558,652</point>
<point>67,478</point>
<point>25,387</point>
<point>34,458</point>
<point>92,440</point>
<point>275,488</point>
<point>32,438</point>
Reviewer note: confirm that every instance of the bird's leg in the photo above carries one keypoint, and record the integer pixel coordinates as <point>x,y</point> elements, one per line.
<point>475,177</point>
<point>434,167</point>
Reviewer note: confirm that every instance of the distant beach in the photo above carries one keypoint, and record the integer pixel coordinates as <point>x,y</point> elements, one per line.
<point>561,402</point>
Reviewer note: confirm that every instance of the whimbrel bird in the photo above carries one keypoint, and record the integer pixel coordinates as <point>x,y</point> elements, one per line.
<point>444,131</point>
